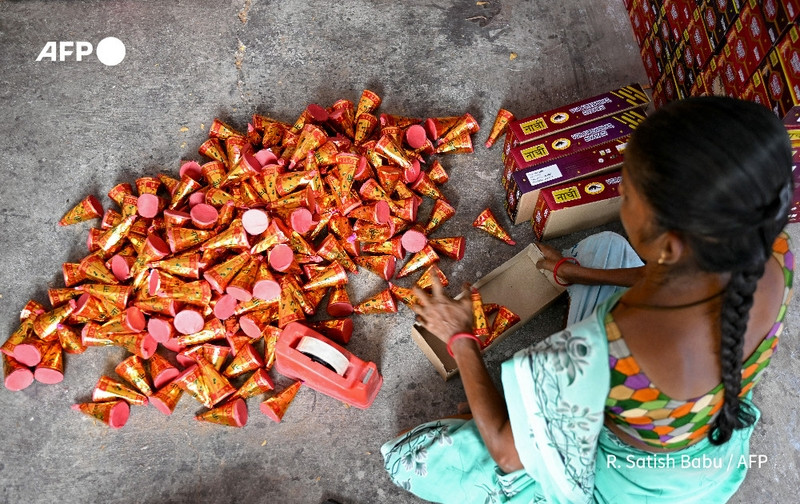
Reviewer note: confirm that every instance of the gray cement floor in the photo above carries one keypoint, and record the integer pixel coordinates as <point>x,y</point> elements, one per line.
<point>74,128</point>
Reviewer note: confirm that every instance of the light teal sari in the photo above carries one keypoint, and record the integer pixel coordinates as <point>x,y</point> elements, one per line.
<point>555,393</point>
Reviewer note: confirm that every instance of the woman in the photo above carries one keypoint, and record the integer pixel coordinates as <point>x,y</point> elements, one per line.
<point>646,396</point>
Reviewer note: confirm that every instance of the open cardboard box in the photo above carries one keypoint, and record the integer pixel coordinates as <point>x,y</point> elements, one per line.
<point>516,284</point>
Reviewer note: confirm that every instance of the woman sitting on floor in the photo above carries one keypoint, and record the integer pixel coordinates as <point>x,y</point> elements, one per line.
<point>646,395</point>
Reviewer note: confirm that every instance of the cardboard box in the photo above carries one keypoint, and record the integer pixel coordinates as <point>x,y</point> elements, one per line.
<point>776,18</point>
<point>753,32</point>
<point>718,21</point>
<point>516,284</point>
<point>792,8</point>
<point>577,205</point>
<point>702,47</point>
<point>573,115</point>
<point>778,89</point>
<point>568,142</point>
<point>525,185</point>
<point>788,50</point>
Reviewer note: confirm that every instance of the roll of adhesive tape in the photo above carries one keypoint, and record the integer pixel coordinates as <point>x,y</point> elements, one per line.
<point>316,348</point>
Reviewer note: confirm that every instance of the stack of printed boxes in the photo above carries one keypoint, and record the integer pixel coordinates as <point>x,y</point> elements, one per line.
<point>548,157</point>
<point>741,48</point>
<point>792,122</point>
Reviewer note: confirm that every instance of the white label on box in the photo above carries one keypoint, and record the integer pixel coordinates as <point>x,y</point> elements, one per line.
<point>544,174</point>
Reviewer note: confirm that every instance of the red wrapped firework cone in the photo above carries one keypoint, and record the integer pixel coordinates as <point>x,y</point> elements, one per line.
<point>246,360</point>
<point>31,309</point>
<point>234,237</point>
<point>487,222</point>
<point>95,269</point>
<point>241,287</point>
<point>343,116</point>
<point>212,329</point>
<point>132,369</point>
<point>185,187</point>
<point>46,324</point>
<point>339,304</point>
<point>130,206</point>
<point>389,176</point>
<point>273,133</point>
<point>289,310</point>
<point>90,335</point>
<point>452,247</point>
<point>180,239</point>
<point>421,259</point>
<point>305,301</point>
<point>436,127</point>
<point>437,173</point>
<point>425,186</point>
<point>15,375</point>
<point>331,250</point>
<point>111,390</point>
<point>426,280</point>
<point>442,211</point>
<point>21,333</point>
<point>376,213</point>
<point>346,167</point>
<point>112,413</point>
<point>325,155</point>
<point>161,371</point>
<point>88,208</point>
<point>254,322</point>
<point>140,344</point>
<point>214,173</point>
<point>221,275</point>
<point>258,383</point>
<point>291,181</point>
<point>303,248</point>
<point>50,369</point>
<point>333,275</point>
<point>504,319</point>
<point>406,296</point>
<point>368,102</point>
<point>215,354</point>
<point>121,266</point>
<point>110,295</point>
<point>90,308</point>
<point>302,198</point>
<point>213,148</point>
<point>217,198</point>
<point>366,232</point>
<point>233,413</point>
<point>414,239</point>
<point>365,125</point>
<point>504,117</point>
<point>281,257</point>
<point>29,351</point>
<point>382,302</point>
<point>310,138</point>
<point>393,247</point>
<point>185,265</point>
<point>341,228</point>
<point>277,232</point>
<point>170,183</point>
<point>381,265</point>
<point>119,191</point>
<point>489,308</point>
<point>221,130</point>
<point>275,407</point>
<point>167,398</point>
<point>479,325</point>
<point>70,339</point>
<point>271,335</point>
<point>466,124</point>
<point>265,286</point>
<point>388,148</point>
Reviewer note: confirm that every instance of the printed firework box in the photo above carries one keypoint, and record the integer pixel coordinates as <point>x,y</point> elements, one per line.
<point>526,184</point>
<point>567,142</point>
<point>776,83</point>
<point>788,51</point>
<point>776,18</point>
<point>573,115</point>
<point>578,205</point>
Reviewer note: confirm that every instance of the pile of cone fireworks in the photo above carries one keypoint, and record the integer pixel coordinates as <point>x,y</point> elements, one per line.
<point>196,276</point>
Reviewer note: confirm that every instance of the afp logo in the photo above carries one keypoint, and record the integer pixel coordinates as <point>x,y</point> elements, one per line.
<point>110,51</point>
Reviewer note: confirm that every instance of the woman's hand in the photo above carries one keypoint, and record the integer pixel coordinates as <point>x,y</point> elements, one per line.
<point>551,257</point>
<point>440,314</point>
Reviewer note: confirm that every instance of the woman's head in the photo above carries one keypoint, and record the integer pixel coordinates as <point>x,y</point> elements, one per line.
<point>717,172</point>
<point>711,186</point>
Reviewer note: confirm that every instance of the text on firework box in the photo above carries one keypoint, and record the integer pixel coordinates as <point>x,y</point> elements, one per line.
<point>523,192</point>
<point>570,141</point>
<point>516,284</point>
<point>575,114</point>
<point>577,205</point>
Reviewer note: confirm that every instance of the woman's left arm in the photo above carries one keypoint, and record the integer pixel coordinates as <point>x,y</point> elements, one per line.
<point>445,317</point>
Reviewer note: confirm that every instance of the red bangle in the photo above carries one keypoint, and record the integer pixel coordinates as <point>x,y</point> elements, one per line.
<point>459,336</point>
<point>558,265</point>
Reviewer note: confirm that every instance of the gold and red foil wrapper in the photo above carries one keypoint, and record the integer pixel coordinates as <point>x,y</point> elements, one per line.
<point>222,130</point>
<point>95,269</point>
<point>426,280</point>
<point>462,144</point>
<point>381,265</point>
<point>436,127</point>
<point>365,125</point>
<point>388,148</point>
<point>421,259</point>
<point>275,407</point>
<point>334,275</point>
<point>245,360</point>
<point>16,376</point>
<point>487,222</point>
<point>70,339</point>
<point>331,250</point>
<point>504,117</point>
<point>180,239</point>
<point>465,125</point>
<point>233,414</point>
<point>46,324</point>
<point>186,265</point>
<point>437,173</point>
<point>88,208</point>
<point>212,330</point>
<point>107,389</point>
<point>425,186</point>
<point>112,413</point>
<point>311,137</point>
<point>441,213</point>
<point>132,369</point>
<point>452,247</point>
<point>382,302</point>
<point>404,295</point>
<point>119,191</point>
<point>479,324</point>
<point>258,383</point>
<point>205,383</point>
<point>167,398</point>
<point>504,319</point>
<point>51,368</point>
<point>368,102</point>
<point>271,335</point>
<point>212,148</point>
<point>235,237</point>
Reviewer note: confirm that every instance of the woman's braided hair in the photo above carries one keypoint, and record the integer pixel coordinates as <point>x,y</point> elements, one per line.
<point>718,171</point>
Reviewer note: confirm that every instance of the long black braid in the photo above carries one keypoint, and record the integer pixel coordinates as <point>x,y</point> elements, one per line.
<point>718,171</point>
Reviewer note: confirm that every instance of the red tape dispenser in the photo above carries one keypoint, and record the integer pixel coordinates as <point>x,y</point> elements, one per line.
<point>306,355</point>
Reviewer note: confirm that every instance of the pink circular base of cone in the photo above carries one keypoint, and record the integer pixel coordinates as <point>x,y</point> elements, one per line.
<point>157,247</point>
<point>147,205</point>
<point>225,307</point>
<point>164,377</point>
<point>416,136</point>
<point>382,212</point>
<point>27,354</point>
<point>412,174</point>
<point>48,376</point>
<point>362,169</point>
<point>173,345</point>
<point>319,114</point>
<point>204,216</point>
<point>160,405</point>
<point>265,157</point>
<point>255,221</point>
<point>302,221</point>
<point>249,327</point>
<point>266,289</point>
<point>413,241</point>
<point>188,321</point>
<point>239,293</point>
<point>147,347</point>
<point>120,268</point>
<point>117,417</point>
<point>340,309</point>
<point>281,257</point>
<point>192,169</point>
<point>18,379</point>
<point>196,198</point>
<point>159,329</point>
<point>134,319</point>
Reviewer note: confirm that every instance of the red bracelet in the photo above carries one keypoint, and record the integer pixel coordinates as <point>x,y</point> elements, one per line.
<point>558,265</point>
<point>459,336</point>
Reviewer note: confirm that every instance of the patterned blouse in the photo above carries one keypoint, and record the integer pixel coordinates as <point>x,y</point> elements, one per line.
<point>642,411</point>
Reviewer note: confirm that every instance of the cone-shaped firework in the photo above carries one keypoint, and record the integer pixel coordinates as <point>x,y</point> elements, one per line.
<point>132,369</point>
<point>46,324</point>
<point>246,359</point>
<point>289,310</point>
<point>437,174</point>
<point>504,319</point>
<point>275,407</point>
<point>452,247</point>
<point>241,287</point>
<point>499,127</point>
<point>221,130</point>
<point>161,370</point>
<point>233,237</point>
<point>442,211</point>
<point>50,369</point>
<point>366,232</point>
<point>365,125</point>
<point>289,182</point>
<point>368,102</point>
<point>110,390</point>
<point>16,376</point>
<point>343,116</point>
<point>276,233</point>
<point>310,138</point>
<point>221,275</point>
<point>180,239</point>
<point>426,280</point>
<point>459,145</point>
<point>487,222</point>
<point>20,334</point>
<point>213,148</point>
<point>185,187</point>
<point>425,186</point>
<point>119,191</point>
<point>466,124</point>
<point>389,176</point>
<point>331,250</point>
<point>339,330</point>
<point>70,339</point>
<point>333,275</point>
<point>393,247</point>
<point>271,335</point>
<point>479,325</point>
<point>214,173</point>
<point>167,398</point>
<point>185,265</point>
<point>381,265</point>
<point>95,269</point>
<point>436,127</point>
<point>339,304</point>
<point>212,329</point>
<point>388,148</point>
<point>88,208</point>
<point>382,302</point>
<point>421,259</point>
<point>233,413</point>
<point>258,383</point>
<point>406,296</point>
<point>112,413</point>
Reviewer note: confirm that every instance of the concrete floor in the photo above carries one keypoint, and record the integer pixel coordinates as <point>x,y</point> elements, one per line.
<point>75,128</point>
